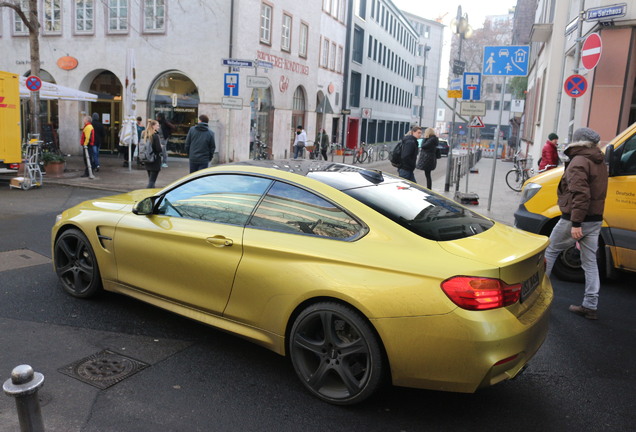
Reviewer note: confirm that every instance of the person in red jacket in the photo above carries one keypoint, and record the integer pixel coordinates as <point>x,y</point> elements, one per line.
<point>549,155</point>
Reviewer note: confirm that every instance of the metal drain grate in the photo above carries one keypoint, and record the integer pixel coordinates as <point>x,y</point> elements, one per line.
<point>103,369</point>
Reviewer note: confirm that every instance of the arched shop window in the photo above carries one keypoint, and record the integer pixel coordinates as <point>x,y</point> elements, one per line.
<point>261,118</point>
<point>298,111</point>
<point>175,96</point>
<point>108,89</point>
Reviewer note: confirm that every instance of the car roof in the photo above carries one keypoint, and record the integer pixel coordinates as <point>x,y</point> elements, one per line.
<point>338,175</point>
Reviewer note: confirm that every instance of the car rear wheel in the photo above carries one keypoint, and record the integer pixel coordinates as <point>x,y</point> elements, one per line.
<point>336,353</point>
<point>75,264</point>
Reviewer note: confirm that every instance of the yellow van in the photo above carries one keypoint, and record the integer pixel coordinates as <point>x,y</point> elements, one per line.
<point>539,212</point>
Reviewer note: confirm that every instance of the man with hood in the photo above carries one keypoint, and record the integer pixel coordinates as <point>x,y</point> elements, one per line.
<point>200,144</point>
<point>581,197</point>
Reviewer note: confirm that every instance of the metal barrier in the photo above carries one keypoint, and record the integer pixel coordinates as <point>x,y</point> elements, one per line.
<point>462,164</point>
<point>23,386</point>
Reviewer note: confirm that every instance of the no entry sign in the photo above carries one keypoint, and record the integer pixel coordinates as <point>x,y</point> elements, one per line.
<point>575,86</point>
<point>591,51</point>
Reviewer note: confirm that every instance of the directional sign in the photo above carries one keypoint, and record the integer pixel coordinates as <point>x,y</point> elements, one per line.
<point>33,83</point>
<point>606,12</point>
<point>231,84</point>
<point>506,60</point>
<point>591,51</point>
<point>455,84</point>
<point>472,86</point>
<point>575,86</point>
<point>476,122</point>
<point>237,62</point>
<point>258,82</point>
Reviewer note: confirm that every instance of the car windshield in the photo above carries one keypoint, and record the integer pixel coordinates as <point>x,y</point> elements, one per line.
<point>415,208</point>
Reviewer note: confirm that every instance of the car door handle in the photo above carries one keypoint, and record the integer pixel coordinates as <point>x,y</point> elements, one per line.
<point>219,241</point>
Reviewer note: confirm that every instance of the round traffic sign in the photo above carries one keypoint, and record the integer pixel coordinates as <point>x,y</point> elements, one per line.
<point>33,83</point>
<point>591,51</point>
<point>575,86</point>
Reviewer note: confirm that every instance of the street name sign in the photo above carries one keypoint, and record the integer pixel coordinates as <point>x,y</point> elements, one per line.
<point>472,108</point>
<point>258,82</point>
<point>472,86</point>
<point>507,60</point>
<point>237,62</point>
<point>591,51</point>
<point>606,12</point>
<point>232,102</point>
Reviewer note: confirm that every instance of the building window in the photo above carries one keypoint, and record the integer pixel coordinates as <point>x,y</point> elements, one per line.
<point>266,24</point>
<point>339,59</point>
<point>154,16</point>
<point>84,16</point>
<point>356,81</point>
<point>335,5</point>
<point>117,16</point>
<point>326,5</point>
<point>332,56</point>
<point>358,45</point>
<point>507,106</point>
<point>285,38</point>
<point>304,36</point>
<point>498,88</point>
<point>52,17</point>
<point>361,9</point>
<point>19,28</point>
<point>496,105</point>
<point>324,53</point>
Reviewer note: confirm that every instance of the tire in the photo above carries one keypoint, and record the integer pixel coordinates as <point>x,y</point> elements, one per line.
<point>362,157</point>
<point>383,154</point>
<point>514,180</point>
<point>75,264</point>
<point>343,367</point>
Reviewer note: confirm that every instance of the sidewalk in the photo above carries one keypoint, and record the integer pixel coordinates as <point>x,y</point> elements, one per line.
<point>114,177</point>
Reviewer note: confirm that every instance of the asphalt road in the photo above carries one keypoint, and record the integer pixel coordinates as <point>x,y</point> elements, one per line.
<point>200,379</point>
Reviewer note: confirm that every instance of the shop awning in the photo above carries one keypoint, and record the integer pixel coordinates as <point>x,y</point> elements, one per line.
<point>54,91</point>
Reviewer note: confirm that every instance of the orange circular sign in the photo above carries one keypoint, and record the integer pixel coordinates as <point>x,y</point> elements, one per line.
<point>67,63</point>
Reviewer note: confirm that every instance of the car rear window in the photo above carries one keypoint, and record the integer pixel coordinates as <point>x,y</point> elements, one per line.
<point>419,210</point>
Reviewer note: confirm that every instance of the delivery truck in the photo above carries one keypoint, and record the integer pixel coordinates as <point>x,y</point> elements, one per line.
<point>10,140</point>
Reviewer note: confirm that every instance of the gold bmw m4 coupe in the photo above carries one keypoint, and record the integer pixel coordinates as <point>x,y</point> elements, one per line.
<point>356,275</point>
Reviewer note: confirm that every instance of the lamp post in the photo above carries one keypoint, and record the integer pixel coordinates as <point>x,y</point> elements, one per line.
<point>459,25</point>
<point>426,50</point>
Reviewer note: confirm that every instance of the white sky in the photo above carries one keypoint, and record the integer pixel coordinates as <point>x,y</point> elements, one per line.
<point>477,10</point>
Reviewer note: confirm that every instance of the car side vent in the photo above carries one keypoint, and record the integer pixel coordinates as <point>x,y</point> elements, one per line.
<point>374,176</point>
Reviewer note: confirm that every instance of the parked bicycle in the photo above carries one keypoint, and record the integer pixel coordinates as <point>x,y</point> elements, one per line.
<point>260,150</point>
<point>362,153</point>
<point>516,177</point>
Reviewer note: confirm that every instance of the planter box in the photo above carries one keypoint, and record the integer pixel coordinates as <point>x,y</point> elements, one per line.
<point>55,169</point>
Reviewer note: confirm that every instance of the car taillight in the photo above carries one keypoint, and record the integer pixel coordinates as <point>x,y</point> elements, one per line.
<point>475,293</point>
<point>14,166</point>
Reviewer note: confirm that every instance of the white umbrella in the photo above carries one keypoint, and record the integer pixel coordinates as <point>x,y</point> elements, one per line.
<point>128,134</point>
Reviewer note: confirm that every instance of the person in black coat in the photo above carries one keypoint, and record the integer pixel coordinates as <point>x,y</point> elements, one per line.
<point>409,154</point>
<point>100,137</point>
<point>427,159</point>
<point>153,168</point>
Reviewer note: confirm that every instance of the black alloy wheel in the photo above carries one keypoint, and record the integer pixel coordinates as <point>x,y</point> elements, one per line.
<point>336,354</point>
<point>75,264</point>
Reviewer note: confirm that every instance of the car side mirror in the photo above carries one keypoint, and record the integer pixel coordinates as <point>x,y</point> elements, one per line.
<point>611,160</point>
<point>144,207</point>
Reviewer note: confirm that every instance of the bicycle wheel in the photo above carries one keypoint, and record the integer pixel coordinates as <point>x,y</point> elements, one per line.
<point>383,154</point>
<point>362,157</point>
<point>514,180</point>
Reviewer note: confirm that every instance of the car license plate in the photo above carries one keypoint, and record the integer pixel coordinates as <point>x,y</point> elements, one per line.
<point>529,285</point>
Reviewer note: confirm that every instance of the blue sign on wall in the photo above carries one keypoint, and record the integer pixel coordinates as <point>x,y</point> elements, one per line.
<point>231,84</point>
<point>471,89</point>
<point>506,60</point>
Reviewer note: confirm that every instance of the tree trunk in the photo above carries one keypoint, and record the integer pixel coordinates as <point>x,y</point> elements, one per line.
<point>34,41</point>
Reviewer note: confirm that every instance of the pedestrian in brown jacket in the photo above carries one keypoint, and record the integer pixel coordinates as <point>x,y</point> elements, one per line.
<point>581,197</point>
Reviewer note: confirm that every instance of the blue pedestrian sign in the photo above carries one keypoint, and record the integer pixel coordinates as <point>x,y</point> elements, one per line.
<point>471,89</point>
<point>506,60</point>
<point>231,84</point>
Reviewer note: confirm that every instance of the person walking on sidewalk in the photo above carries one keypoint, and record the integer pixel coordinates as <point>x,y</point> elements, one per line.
<point>200,145</point>
<point>427,159</point>
<point>299,142</point>
<point>164,134</point>
<point>100,136</point>
<point>581,198</point>
<point>322,140</point>
<point>408,157</point>
<point>153,164</point>
<point>87,141</point>
<point>549,154</point>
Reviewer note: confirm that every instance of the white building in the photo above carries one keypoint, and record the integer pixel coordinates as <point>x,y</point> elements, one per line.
<point>179,48</point>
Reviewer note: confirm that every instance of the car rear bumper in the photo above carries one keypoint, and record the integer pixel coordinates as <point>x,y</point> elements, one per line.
<point>465,350</point>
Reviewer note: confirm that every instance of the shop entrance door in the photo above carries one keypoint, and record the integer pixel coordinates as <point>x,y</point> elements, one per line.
<point>109,113</point>
<point>353,127</point>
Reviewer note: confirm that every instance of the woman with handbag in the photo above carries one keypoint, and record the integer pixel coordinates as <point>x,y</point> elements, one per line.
<point>427,160</point>
<point>153,154</point>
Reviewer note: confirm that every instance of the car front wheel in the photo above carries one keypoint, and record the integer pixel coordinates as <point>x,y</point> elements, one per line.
<point>75,264</point>
<point>336,353</point>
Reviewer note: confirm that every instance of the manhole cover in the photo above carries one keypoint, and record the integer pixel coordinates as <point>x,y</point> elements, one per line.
<point>104,369</point>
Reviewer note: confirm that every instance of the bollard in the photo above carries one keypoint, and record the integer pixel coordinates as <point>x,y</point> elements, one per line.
<point>23,386</point>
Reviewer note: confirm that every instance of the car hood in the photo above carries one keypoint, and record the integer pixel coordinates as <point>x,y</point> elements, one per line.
<point>500,246</point>
<point>121,201</point>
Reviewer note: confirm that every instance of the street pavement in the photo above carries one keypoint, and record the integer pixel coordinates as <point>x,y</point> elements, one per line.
<point>113,176</point>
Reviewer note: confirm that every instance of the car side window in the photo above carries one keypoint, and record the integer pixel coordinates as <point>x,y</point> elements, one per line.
<point>291,209</point>
<point>220,198</point>
<point>628,158</point>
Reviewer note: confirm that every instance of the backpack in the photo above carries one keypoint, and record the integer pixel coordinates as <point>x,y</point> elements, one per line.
<point>145,150</point>
<point>396,155</point>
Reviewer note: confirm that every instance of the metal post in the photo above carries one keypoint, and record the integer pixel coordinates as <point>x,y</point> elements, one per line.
<point>23,386</point>
<point>494,158</point>
<point>426,50</point>
<point>451,141</point>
